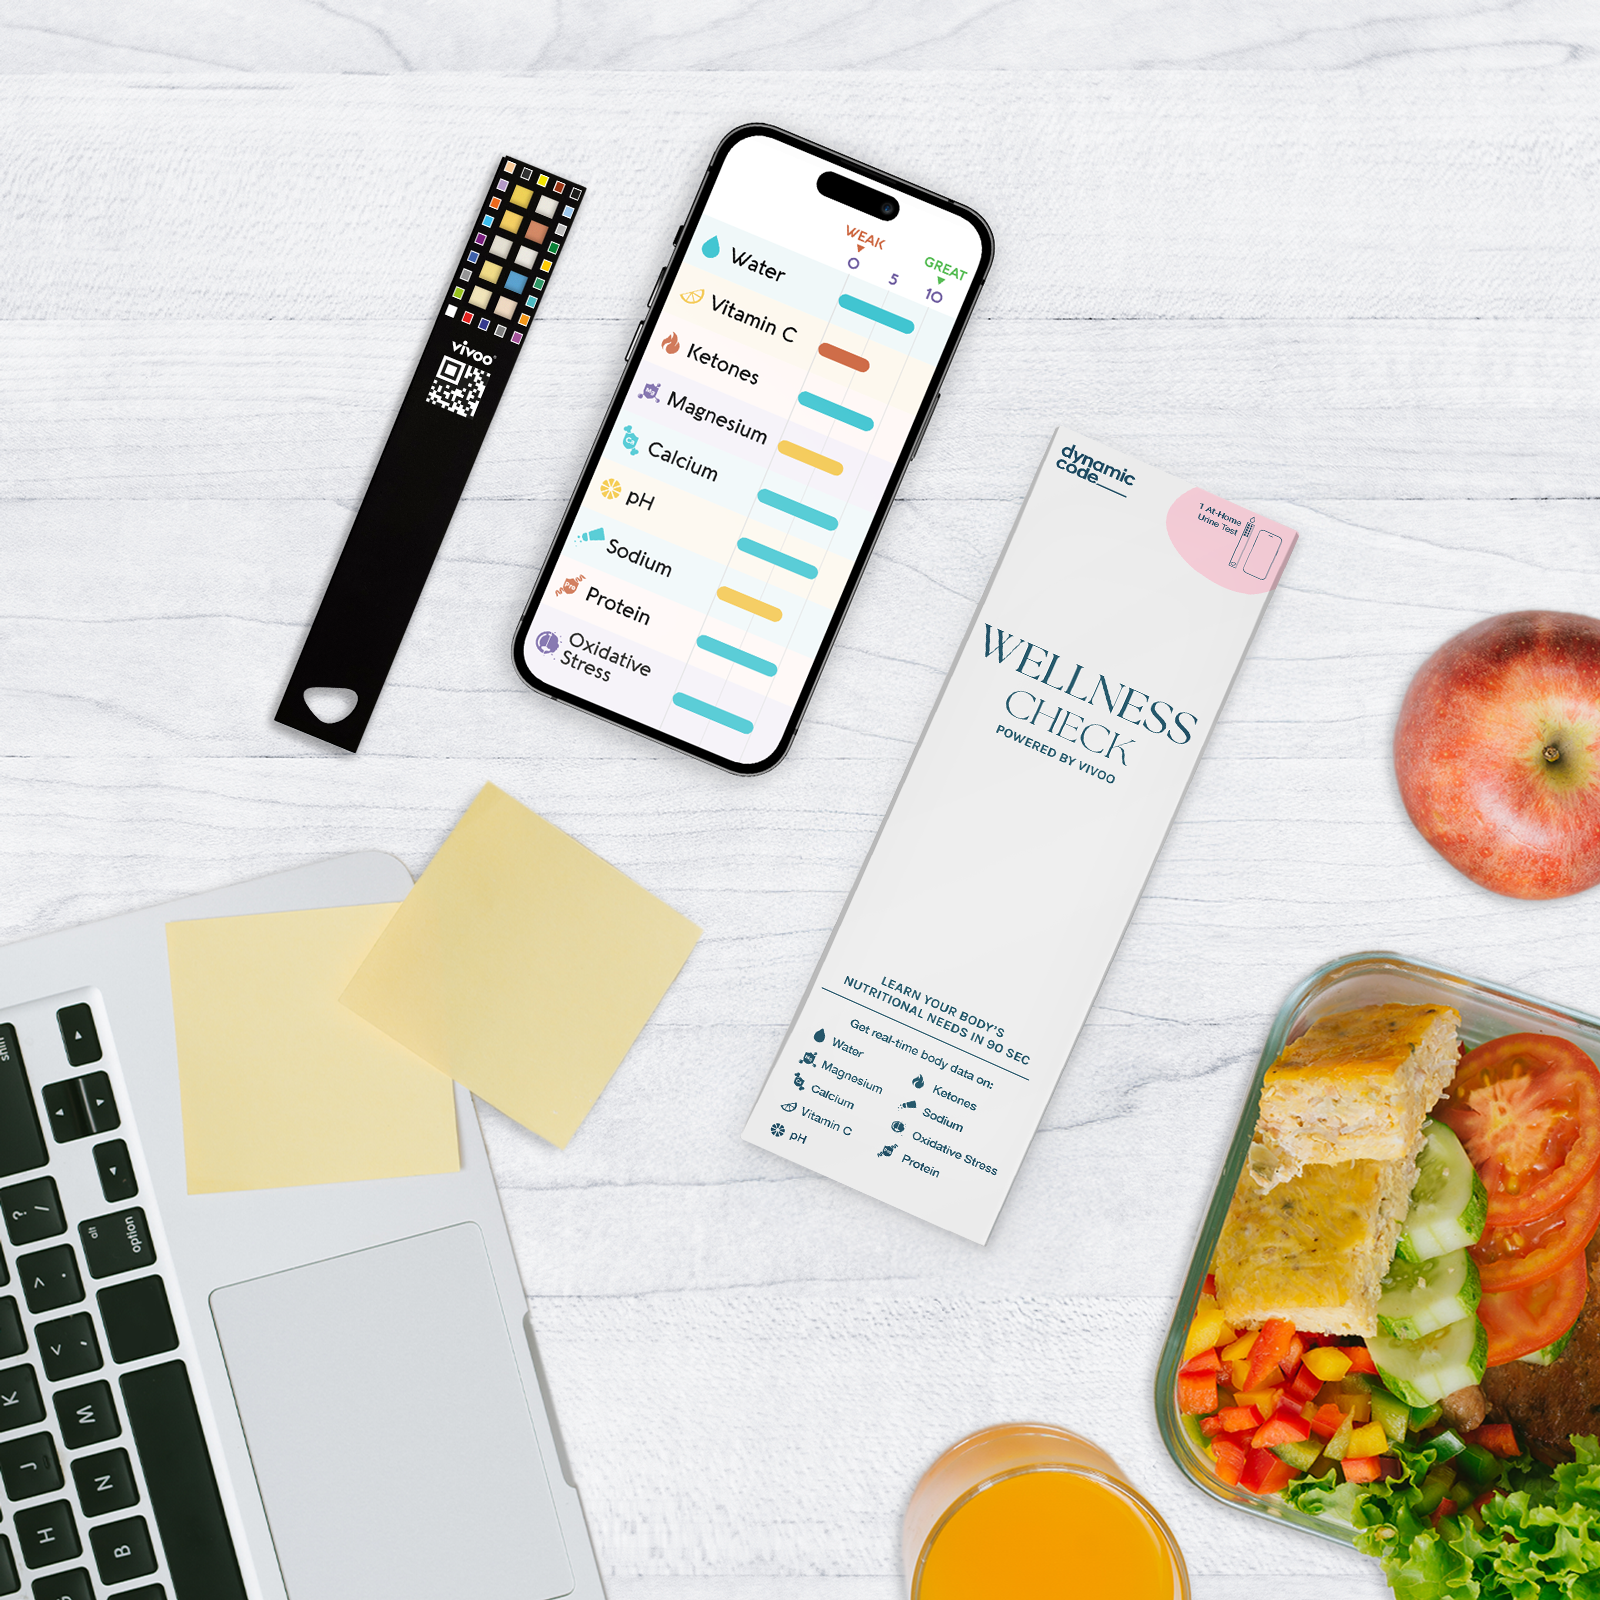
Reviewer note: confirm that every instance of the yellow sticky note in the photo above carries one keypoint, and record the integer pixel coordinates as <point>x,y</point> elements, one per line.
<point>522,965</point>
<point>280,1083</point>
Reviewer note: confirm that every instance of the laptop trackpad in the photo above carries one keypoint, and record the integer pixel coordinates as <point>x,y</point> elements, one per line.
<point>389,1428</point>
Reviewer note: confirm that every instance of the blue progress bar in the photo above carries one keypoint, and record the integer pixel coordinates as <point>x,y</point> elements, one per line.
<point>815,402</point>
<point>740,658</point>
<point>687,702</point>
<point>781,502</point>
<point>765,552</point>
<point>877,314</point>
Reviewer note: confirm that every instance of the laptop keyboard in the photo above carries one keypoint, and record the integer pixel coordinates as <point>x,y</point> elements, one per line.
<point>106,1483</point>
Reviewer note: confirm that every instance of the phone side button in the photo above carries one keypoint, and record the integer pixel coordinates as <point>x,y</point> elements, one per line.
<point>633,344</point>
<point>920,431</point>
<point>678,235</point>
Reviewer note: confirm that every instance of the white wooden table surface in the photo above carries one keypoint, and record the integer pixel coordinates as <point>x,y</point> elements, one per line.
<point>1345,274</point>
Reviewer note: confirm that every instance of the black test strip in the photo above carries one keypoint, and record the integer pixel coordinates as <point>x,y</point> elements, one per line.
<point>500,283</point>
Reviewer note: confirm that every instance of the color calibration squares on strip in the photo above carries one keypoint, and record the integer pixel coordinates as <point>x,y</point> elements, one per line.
<point>505,251</point>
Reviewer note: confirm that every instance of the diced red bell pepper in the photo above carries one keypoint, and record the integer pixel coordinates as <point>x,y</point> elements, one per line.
<point>1284,1426</point>
<point>1325,1422</point>
<point>1361,1359</point>
<point>1197,1397</point>
<point>1206,1361</point>
<point>1361,1469</point>
<point>1211,1285</point>
<point>1239,1419</point>
<point>1229,1456</point>
<point>1445,1508</point>
<point>1212,1426</point>
<point>1290,1364</point>
<point>1483,1500</point>
<point>1304,1386</point>
<point>1498,1438</point>
<point>1271,1345</point>
<point>1264,1473</point>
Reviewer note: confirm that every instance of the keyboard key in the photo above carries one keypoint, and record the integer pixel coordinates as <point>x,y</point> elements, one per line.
<point>87,1415</point>
<point>47,1534</point>
<point>117,1243</point>
<point>122,1550</point>
<point>13,1339</point>
<point>33,1211</point>
<point>20,1402</point>
<point>5,1275</point>
<point>68,1347</point>
<point>100,1109</point>
<point>30,1466</point>
<point>78,1034</point>
<point>148,1591</point>
<point>65,1112</point>
<point>117,1182</point>
<point>22,1145</point>
<point>9,1581</point>
<point>105,1483</point>
<point>73,1585</point>
<point>182,1486</point>
<point>138,1320</point>
<point>49,1279</point>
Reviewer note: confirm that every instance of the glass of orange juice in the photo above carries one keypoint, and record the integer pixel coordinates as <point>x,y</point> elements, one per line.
<point>1029,1511</point>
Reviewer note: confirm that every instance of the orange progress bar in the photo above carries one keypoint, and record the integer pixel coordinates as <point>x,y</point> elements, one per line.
<point>798,452</point>
<point>749,603</point>
<point>843,357</point>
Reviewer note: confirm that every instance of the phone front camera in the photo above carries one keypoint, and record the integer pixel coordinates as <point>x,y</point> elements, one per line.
<point>887,208</point>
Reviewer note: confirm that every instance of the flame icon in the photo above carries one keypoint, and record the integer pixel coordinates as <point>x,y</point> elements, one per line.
<point>670,344</point>
<point>571,585</point>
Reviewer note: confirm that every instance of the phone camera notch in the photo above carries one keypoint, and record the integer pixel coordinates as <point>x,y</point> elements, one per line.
<point>858,196</point>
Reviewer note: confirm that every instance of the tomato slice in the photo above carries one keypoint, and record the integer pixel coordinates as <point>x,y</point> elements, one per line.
<point>1524,1252</point>
<point>1527,1109</point>
<point>1520,1321</point>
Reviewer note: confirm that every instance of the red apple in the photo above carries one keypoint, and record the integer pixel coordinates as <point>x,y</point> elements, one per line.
<point>1498,753</point>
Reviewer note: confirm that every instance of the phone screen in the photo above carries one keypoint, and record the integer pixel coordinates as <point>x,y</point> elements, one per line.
<point>772,405</point>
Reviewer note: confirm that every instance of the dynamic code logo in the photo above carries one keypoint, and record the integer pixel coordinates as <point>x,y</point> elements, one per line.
<point>548,643</point>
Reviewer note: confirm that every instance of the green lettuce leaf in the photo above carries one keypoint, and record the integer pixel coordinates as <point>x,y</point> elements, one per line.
<point>1539,1539</point>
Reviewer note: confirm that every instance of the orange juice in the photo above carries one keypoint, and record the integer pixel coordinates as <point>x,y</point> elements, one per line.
<point>1029,1512</point>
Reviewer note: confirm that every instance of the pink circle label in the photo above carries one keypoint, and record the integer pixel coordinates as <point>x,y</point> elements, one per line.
<point>1226,543</point>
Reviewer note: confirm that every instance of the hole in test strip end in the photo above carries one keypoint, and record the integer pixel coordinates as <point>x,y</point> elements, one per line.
<point>330,705</point>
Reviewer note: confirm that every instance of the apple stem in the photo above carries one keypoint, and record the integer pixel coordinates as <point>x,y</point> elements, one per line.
<point>1552,753</point>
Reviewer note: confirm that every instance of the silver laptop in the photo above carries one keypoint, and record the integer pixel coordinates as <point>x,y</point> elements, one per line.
<point>327,1393</point>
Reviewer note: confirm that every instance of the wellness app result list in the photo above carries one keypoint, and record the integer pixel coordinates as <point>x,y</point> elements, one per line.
<point>699,559</point>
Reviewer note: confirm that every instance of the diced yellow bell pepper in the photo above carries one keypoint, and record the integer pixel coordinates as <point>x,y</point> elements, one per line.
<point>1206,1330</point>
<point>1328,1363</point>
<point>1358,1407</point>
<point>1239,1372</point>
<point>1264,1400</point>
<point>1241,1346</point>
<point>1370,1440</point>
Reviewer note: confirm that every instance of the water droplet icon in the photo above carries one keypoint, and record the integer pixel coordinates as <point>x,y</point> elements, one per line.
<point>710,248</point>
<point>820,1035</point>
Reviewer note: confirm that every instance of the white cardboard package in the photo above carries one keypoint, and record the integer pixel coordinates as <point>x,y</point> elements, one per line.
<point>919,1064</point>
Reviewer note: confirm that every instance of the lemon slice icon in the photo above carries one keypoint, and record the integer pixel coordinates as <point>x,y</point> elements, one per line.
<point>693,296</point>
<point>611,488</point>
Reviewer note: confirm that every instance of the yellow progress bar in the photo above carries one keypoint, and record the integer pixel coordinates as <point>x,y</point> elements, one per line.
<point>749,603</point>
<point>798,452</point>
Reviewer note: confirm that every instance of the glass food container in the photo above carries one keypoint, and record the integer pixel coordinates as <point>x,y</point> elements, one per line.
<point>1371,977</point>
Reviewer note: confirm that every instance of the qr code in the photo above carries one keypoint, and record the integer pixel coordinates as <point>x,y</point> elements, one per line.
<point>458,386</point>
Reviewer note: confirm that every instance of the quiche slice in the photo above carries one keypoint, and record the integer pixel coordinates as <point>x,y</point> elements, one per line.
<point>1355,1086</point>
<point>1315,1247</point>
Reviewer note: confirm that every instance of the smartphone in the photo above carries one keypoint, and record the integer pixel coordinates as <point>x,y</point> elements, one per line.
<point>788,362</point>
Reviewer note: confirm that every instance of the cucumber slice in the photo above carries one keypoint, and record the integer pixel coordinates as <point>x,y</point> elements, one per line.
<point>1448,1203</point>
<point>1552,1351</point>
<point>1421,1297</point>
<point>1420,1371</point>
